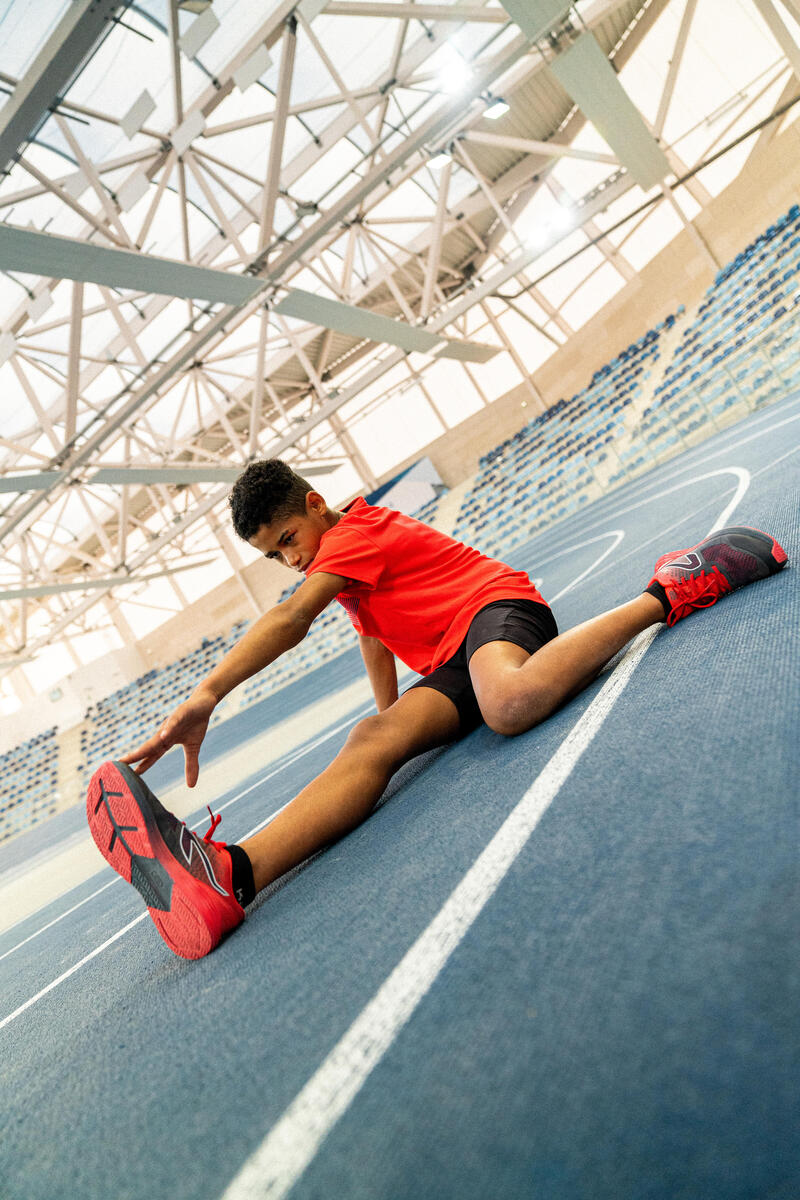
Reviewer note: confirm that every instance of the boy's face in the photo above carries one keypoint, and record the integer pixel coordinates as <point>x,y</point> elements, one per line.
<point>295,540</point>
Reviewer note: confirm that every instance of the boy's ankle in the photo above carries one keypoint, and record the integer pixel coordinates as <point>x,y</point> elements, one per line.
<point>243,884</point>
<point>657,591</point>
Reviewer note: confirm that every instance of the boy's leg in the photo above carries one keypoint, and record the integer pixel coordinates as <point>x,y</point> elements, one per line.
<point>517,690</point>
<point>346,792</point>
<point>193,888</point>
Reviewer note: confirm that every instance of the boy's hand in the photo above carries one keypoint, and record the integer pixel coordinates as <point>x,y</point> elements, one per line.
<point>186,727</point>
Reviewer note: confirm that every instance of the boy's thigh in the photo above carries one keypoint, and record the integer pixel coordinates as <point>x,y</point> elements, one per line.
<point>501,637</point>
<point>497,648</point>
<point>493,668</point>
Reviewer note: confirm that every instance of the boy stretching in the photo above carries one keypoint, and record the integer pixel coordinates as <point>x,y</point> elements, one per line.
<point>478,632</point>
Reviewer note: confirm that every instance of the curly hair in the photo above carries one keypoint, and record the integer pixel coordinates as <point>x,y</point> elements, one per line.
<point>266,491</point>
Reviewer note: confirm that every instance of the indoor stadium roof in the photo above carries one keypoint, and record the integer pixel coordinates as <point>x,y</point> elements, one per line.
<point>233,229</point>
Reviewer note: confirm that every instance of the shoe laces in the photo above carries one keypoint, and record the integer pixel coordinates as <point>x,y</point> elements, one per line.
<point>695,591</point>
<point>207,838</point>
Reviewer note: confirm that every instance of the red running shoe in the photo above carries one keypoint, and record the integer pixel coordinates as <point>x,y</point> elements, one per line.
<point>185,881</point>
<point>725,560</point>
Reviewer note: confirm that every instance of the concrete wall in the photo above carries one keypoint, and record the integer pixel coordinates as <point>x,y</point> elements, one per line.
<point>65,704</point>
<point>216,612</point>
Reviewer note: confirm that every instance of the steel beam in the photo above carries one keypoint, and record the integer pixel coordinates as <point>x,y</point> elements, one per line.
<point>116,419</point>
<point>84,585</point>
<point>74,39</point>
<point>435,247</point>
<point>547,149</point>
<point>674,67</point>
<point>780,32</point>
<point>272,182</point>
<point>66,258</point>
<point>416,12</point>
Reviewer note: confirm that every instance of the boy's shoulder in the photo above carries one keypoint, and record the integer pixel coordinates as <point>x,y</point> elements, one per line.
<point>384,526</point>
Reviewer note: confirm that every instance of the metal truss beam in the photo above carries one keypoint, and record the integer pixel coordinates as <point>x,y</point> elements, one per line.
<point>435,127</point>
<point>674,67</point>
<point>156,474</point>
<point>416,12</point>
<point>547,149</point>
<point>297,261</point>
<point>72,42</point>
<point>780,32</point>
<point>270,197</point>
<point>66,258</point>
<point>82,585</point>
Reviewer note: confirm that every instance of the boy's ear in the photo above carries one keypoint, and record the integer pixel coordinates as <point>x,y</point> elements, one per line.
<point>315,503</point>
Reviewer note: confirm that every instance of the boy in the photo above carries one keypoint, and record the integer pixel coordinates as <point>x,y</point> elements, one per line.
<point>479,633</point>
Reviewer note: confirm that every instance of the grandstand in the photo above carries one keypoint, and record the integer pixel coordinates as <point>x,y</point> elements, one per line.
<point>30,783</point>
<point>125,717</point>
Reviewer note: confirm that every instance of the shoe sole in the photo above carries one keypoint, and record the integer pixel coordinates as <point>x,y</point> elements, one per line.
<point>776,553</point>
<point>126,833</point>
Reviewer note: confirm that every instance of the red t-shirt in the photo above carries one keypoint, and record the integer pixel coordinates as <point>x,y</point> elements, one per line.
<point>411,587</point>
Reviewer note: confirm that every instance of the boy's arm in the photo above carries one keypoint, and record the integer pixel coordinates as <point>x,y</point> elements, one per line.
<point>381,669</point>
<point>272,635</point>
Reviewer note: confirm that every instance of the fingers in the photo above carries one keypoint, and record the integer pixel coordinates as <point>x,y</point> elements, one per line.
<point>148,753</point>
<point>146,764</point>
<point>192,765</point>
<point>181,728</point>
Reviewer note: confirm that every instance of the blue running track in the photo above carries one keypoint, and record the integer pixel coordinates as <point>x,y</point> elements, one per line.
<point>602,1006</point>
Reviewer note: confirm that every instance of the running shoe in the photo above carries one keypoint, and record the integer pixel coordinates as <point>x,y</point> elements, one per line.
<point>725,560</point>
<point>185,880</point>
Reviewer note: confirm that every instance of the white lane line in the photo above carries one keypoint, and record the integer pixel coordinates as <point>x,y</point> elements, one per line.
<point>289,762</point>
<point>741,473</point>
<point>292,1143</point>
<point>272,1170</point>
<point>61,917</point>
<point>768,466</point>
<point>681,466</point>
<point>616,534</point>
<point>743,482</point>
<point>71,971</point>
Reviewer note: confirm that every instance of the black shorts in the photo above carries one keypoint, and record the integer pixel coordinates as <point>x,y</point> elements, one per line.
<point>526,623</point>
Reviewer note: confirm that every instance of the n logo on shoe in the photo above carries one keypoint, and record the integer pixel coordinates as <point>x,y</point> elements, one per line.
<point>689,562</point>
<point>189,847</point>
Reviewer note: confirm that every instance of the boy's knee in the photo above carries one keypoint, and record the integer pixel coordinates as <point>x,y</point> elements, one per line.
<point>371,733</point>
<point>510,713</point>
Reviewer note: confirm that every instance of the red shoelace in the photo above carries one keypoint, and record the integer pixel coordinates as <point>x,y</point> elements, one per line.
<point>695,591</point>
<point>215,820</point>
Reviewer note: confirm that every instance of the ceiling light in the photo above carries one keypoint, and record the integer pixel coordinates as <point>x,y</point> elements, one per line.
<point>454,74</point>
<point>562,218</point>
<point>538,238</point>
<point>194,6</point>
<point>497,108</point>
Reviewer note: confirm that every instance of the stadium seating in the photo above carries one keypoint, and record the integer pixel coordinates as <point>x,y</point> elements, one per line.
<point>30,783</point>
<point>126,716</point>
<point>740,352</point>
<point>560,459</point>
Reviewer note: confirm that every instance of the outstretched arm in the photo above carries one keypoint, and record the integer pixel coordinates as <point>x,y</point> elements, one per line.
<point>381,669</point>
<point>272,635</point>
